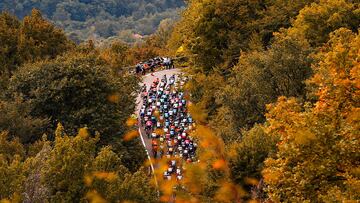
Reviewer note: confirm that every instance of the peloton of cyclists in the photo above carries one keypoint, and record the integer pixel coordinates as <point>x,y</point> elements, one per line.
<point>164,108</point>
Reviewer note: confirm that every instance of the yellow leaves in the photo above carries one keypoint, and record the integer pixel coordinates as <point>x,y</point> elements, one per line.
<point>355,75</point>
<point>83,133</point>
<point>355,171</point>
<point>287,120</point>
<point>180,50</point>
<point>106,176</point>
<point>114,98</point>
<point>59,132</point>
<point>109,177</point>
<point>354,116</point>
<point>88,179</point>
<point>328,127</point>
<point>16,198</point>
<point>131,135</point>
<point>337,74</point>
<point>232,151</point>
<point>303,136</point>
<point>94,197</point>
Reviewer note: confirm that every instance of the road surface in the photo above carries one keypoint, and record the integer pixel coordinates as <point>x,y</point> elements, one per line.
<point>148,79</point>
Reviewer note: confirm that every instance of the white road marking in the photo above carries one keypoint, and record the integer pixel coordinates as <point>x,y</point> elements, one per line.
<point>147,81</point>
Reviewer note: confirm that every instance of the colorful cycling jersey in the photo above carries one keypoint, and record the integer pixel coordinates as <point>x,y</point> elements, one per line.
<point>164,108</point>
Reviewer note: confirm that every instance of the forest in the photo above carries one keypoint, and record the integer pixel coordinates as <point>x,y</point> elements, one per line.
<point>274,91</point>
<point>96,19</point>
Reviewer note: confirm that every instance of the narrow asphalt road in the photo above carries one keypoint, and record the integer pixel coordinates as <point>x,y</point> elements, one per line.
<point>148,79</point>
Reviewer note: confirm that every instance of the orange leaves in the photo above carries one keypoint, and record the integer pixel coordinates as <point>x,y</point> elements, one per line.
<point>354,116</point>
<point>318,139</point>
<point>286,119</point>
<point>251,181</point>
<point>219,164</point>
<point>198,112</point>
<point>159,131</point>
<point>213,145</point>
<point>157,114</point>
<point>94,197</point>
<point>167,188</point>
<point>131,122</point>
<point>271,177</point>
<point>113,98</point>
<point>229,192</point>
<point>337,74</point>
<point>131,135</point>
<point>195,178</point>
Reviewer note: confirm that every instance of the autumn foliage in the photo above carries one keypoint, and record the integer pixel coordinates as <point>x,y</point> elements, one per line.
<point>274,92</point>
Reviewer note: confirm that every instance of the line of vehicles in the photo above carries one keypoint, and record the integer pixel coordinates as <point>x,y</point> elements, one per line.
<point>154,63</point>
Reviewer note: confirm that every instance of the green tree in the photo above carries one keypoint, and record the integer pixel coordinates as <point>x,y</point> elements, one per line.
<point>250,153</point>
<point>318,152</point>
<point>32,39</point>
<point>109,165</point>
<point>9,29</point>
<point>214,32</point>
<point>94,18</point>
<point>136,188</point>
<point>18,123</point>
<point>77,91</point>
<point>262,76</point>
<point>107,160</point>
<point>132,153</point>
<point>9,56</point>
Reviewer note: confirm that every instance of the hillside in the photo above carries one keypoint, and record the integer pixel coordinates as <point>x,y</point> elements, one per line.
<point>83,19</point>
<point>266,107</point>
